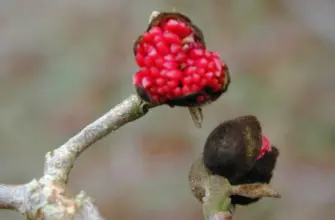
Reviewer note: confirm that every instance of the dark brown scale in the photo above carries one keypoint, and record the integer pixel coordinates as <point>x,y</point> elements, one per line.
<point>163,17</point>
<point>143,94</point>
<point>262,172</point>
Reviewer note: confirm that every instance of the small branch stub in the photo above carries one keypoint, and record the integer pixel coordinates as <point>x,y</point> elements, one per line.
<point>196,115</point>
<point>153,15</point>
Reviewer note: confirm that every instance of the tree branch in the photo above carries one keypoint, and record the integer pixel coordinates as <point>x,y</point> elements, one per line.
<point>46,198</point>
<point>59,162</point>
<point>11,196</point>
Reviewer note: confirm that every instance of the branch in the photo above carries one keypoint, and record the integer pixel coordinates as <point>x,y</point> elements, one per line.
<point>60,162</point>
<point>47,197</point>
<point>11,196</point>
<point>212,191</point>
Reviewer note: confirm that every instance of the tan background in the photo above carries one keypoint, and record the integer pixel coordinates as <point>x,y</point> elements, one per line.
<point>64,63</point>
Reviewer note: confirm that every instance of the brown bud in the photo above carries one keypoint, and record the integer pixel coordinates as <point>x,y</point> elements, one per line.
<point>231,149</point>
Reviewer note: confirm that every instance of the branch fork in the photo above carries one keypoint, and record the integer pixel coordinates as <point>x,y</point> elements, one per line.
<point>46,198</point>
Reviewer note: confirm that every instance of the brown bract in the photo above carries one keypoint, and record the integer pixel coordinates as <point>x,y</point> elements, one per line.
<point>164,16</point>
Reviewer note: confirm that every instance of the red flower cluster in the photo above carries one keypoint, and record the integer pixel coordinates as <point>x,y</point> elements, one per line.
<point>175,65</point>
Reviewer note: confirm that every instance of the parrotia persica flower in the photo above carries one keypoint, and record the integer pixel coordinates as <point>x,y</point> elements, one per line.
<point>175,68</point>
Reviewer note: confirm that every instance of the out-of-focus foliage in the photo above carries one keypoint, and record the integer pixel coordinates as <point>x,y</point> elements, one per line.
<point>64,63</point>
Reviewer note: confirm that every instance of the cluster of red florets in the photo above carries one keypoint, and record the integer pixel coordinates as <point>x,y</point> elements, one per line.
<point>266,146</point>
<point>174,64</point>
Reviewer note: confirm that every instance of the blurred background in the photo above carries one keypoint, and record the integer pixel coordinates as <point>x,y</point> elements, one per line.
<point>64,63</point>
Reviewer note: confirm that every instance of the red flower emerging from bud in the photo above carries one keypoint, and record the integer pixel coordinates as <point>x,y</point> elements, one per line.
<point>266,147</point>
<point>175,67</point>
